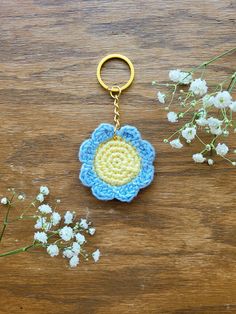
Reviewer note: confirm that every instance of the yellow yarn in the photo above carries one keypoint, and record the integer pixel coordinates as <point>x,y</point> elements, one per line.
<point>117,162</point>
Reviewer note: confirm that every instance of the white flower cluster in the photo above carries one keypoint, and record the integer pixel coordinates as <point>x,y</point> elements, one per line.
<point>4,201</point>
<point>44,191</point>
<point>209,112</point>
<point>198,87</point>
<point>15,195</point>
<point>62,234</point>
<point>181,77</point>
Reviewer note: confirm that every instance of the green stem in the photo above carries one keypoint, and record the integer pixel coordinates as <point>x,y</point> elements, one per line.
<point>232,82</point>
<point>27,208</point>
<point>165,84</point>
<point>26,248</point>
<point>225,158</point>
<point>172,135</point>
<point>23,249</point>
<point>200,140</point>
<point>21,218</point>
<point>224,114</point>
<point>5,222</point>
<point>82,254</point>
<point>204,64</point>
<point>173,95</point>
<point>186,111</point>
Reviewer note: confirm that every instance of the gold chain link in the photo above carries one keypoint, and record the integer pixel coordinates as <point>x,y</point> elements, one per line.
<point>115,92</point>
<point>117,113</point>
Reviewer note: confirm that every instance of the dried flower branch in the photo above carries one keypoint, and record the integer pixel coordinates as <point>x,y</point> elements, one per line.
<point>54,233</point>
<point>205,109</point>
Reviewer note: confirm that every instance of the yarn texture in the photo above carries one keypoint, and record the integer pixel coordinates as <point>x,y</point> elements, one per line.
<point>116,168</point>
<point>117,162</point>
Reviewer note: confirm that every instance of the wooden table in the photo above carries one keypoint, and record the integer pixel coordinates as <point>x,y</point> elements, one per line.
<point>172,250</point>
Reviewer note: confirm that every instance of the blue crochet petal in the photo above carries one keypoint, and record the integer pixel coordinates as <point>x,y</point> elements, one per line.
<point>102,133</point>
<point>102,191</point>
<point>145,176</point>
<point>125,193</point>
<point>87,151</point>
<point>146,151</point>
<point>87,175</point>
<point>129,133</point>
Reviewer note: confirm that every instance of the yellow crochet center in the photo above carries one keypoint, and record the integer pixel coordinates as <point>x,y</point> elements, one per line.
<point>117,162</point>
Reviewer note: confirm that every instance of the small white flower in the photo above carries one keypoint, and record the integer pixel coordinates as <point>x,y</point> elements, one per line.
<point>91,230</point>
<point>45,209</point>
<point>55,218</point>
<point>198,87</point>
<point>222,100</point>
<point>83,223</point>
<point>41,237</point>
<point>233,106</point>
<point>208,101</point>
<point>202,121</point>
<point>80,238</point>
<point>76,248</point>
<point>214,122</point>
<point>40,222</point>
<point>44,190</point>
<point>174,75</point>
<point>21,197</point>
<point>68,217</point>
<point>222,149</point>
<point>180,77</point>
<point>40,197</point>
<point>161,97</point>
<point>53,250</point>
<point>96,255</point>
<point>176,143</point>
<point>185,78</point>
<point>4,201</point>
<point>74,261</point>
<point>68,253</point>
<point>215,125</point>
<point>66,233</point>
<point>210,162</point>
<point>172,117</point>
<point>216,131</point>
<point>199,158</point>
<point>189,133</point>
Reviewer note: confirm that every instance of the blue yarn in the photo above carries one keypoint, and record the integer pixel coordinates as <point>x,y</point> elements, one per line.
<point>102,190</point>
<point>130,134</point>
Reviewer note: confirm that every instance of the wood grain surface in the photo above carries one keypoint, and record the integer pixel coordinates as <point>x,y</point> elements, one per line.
<point>172,250</point>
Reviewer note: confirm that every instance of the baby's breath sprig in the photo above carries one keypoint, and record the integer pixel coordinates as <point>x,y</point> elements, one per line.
<point>204,110</point>
<point>55,233</point>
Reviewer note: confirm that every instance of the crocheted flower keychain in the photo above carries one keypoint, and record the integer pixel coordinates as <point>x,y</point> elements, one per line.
<point>116,161</point>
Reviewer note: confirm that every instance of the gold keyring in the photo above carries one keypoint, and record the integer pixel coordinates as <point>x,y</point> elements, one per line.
<point>115,56</point>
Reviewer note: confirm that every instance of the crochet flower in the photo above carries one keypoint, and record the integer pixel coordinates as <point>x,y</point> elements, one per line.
<point>116,167</point>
